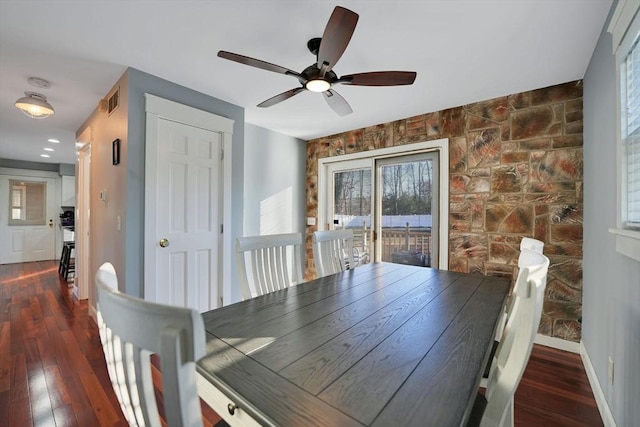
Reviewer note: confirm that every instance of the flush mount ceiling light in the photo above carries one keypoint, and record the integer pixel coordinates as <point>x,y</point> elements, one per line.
<point>35,105</point>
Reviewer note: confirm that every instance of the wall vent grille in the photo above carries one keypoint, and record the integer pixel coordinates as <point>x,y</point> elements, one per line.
<point>113,101</point>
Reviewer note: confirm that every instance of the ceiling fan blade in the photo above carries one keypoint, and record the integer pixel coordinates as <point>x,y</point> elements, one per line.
<point>257,63</point>
<point>337,102</point>
<point>379,78</point>
<point>281,97</point>
<point>336,36</point>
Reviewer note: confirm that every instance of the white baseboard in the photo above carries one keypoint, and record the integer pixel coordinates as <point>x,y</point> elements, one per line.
<point>603,406</point>
<point>557,343</point>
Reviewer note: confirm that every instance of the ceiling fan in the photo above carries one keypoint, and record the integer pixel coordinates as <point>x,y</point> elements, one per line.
<point>319,76</point>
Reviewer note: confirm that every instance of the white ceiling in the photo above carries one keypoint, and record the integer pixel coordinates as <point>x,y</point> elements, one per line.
<point>463,51</point>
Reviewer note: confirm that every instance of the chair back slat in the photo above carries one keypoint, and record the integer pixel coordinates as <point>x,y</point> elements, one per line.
<point>268,263</point>
<point>333,251</point>
<point>131,329</point>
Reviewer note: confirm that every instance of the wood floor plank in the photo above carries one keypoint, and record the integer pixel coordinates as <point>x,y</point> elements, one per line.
<point>19,380</point>
<point>5,400</point>
<point>554,390</point>
<point>57,388</point>
<point>20,413</point>
<point>5,356</point>
<point>65,417</point>
<point>41,410</point>
<point>106,413</point>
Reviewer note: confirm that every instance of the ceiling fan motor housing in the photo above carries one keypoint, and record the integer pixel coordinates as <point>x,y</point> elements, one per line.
<point>312,72</point>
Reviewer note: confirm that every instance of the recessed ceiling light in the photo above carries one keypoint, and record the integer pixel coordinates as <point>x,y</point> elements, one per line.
<point>44,155</point>
<point>55,141</point>
<point>49,149</point>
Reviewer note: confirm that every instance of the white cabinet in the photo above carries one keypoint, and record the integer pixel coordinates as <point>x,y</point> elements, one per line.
<point>68,191</point>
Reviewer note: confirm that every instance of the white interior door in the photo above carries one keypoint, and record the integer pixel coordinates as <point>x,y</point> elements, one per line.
<point>187,209</point>
<point>187,199</point>
<point>188,215</point>
<point>27,221</point>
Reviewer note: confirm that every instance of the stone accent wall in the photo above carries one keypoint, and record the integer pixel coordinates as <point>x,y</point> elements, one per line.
<point>515,170</point>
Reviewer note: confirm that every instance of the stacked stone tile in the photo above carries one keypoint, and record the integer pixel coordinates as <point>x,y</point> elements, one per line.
<point>515,170</point>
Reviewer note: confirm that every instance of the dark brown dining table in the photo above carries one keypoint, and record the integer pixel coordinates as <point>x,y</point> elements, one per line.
<point>380,345</point>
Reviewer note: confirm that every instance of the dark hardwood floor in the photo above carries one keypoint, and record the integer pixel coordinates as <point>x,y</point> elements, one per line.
<point>52,370</point>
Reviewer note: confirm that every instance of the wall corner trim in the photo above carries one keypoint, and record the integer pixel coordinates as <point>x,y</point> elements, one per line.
<point>603,406</point>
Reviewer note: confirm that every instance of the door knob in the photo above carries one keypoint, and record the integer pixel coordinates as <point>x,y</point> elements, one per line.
<point>164,242</point>
<point>51,223</point>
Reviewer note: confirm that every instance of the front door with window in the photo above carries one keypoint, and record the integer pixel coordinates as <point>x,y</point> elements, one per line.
<point>27,226</point>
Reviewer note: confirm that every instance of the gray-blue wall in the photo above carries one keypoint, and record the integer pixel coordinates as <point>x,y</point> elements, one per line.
<point>275,182</point>
<point>611,289</point>
<point>139,84</point>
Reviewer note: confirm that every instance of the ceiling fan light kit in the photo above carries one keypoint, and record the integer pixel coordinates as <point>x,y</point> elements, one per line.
<point>35,105</point>
<point>318,85</point>
<point>319,77</point>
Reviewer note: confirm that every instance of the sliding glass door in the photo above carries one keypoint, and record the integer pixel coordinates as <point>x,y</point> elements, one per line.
<point>391,204</point>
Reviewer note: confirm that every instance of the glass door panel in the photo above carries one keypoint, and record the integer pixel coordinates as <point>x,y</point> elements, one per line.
<point>351,197</point>
<point>407,196</point>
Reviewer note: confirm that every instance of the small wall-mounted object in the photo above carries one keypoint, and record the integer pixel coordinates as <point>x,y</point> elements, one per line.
<point>115,151</point>
<point>113,101</point>
<point>103,195</point>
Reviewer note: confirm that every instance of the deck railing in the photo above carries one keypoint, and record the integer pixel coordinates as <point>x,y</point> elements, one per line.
<point>394,240</point>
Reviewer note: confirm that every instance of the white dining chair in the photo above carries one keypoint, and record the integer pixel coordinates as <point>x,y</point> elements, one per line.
<point>333,251</point>
<point>268,263</point>
<point>131,329</point>
<point>527,259</point>
<point>495,408</point>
